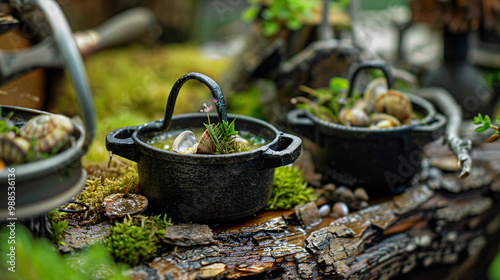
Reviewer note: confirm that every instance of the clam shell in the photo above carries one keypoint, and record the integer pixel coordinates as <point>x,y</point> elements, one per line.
<point>394,103</point>
<point>47,131</point>
<point>206,145</point>
<point>184,141</point>
<point>13,151</point>
<point>116,205</point>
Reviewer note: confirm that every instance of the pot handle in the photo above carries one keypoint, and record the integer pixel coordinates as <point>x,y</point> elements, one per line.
<point>301,124</point>
<point>284,152</point>
<point>372,64</point>
<point>211,84</point>
<point>120,142</point>
<point>430,132</point>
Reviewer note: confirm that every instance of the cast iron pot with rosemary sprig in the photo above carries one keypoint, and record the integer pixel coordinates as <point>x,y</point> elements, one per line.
<point>209,188</point>
<point>381,159</point>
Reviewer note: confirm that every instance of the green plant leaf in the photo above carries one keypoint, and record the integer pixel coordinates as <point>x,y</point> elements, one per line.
<point>337,84</point>
<point>270,28</point>
<point>498,119</point>
<point>250,13</point>
<point>482,128</point>
<point>487,119</point>
<point>293,24</point>
<point>477,120</point>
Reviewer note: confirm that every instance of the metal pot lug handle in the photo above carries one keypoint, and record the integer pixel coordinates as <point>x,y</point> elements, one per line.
<point>431,131</point>
<point>372,64</point>
<point>120,142</point>
<point>211,84</point>
<point>301,124</point>
<point>285,152</point>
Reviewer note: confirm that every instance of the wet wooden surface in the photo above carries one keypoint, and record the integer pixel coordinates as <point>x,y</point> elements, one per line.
<point>440,228</point>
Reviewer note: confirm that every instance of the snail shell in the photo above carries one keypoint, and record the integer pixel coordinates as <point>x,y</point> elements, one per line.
<point>353,116</point>
<point>13,150</point>
<point>381,120</point>
<point>394,103</point>
<point>116,205</point>
<point>375,88</point>
<point>184,142</point>
<point>47,131</point>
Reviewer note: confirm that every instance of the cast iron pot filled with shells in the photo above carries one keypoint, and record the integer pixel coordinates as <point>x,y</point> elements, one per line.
<point>381,160</point>
<point>199,187</point>
<point>44,183</point>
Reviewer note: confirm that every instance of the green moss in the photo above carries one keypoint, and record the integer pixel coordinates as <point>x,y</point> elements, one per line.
<point>107,182</point>
<point>137,240</point>
<point>289,189</point>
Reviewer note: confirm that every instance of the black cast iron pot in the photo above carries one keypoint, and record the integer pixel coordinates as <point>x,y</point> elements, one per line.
<point>383,161</point>
<point>204,188</point>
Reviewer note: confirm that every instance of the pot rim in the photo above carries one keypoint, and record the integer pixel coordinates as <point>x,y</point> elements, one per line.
<point>43,167</point>
<point>203,158</point>
<point>431,112</point>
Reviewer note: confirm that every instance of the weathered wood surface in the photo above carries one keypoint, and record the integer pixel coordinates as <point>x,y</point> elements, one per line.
<point>440,224</point>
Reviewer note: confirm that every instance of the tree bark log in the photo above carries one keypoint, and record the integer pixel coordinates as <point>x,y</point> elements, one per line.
<point>441,226</point>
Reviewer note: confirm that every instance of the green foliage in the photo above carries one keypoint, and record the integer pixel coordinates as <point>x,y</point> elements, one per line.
<point>246,103</point>
<point>278,12</point>
<point>494,270</point>
<point>137,240</point>
<point>37,259</point>
<point>289,189</point>
<point>327,102</point>
<point>485,123</point>
<point>58,227</point>
<point>223,136</point>
<point>6,125</point>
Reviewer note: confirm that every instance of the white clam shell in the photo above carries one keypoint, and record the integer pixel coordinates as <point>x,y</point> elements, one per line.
<point>184,141</point>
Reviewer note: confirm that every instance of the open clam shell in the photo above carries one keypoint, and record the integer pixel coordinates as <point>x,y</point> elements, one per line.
<point>116,205</point>
<point>184,142</point>
<point>48,131</point>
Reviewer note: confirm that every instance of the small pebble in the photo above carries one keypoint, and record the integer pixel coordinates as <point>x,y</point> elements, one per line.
<point>324,210</point>
<point>343,194</point>
<point>329,190</point>
<point>341,209</point>
<point>361,194</point>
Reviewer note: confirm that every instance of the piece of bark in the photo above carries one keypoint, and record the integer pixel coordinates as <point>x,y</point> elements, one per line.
<point>188,235</point>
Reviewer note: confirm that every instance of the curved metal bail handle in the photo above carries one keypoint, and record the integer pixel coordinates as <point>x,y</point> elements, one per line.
<point>60,50</point>
<point>372,64</point>
<point>211,84</point>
